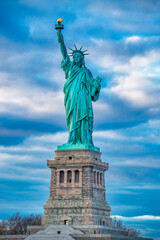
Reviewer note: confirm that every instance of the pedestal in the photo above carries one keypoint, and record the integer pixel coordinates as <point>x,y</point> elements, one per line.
<point>77,189</point>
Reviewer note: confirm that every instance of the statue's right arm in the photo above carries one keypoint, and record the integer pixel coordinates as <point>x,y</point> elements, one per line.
<point>61,43</point>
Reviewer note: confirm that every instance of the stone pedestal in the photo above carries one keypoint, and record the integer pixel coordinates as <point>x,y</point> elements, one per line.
<point>77,189</point>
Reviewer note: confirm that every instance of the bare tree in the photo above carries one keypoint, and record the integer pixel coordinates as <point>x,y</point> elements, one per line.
<point>132,232</point>
<point>17,224</point>
<point>3,227</point>
<point>117,223</point>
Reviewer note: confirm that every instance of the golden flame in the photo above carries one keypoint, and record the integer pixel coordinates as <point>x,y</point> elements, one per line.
<point>59,20</point>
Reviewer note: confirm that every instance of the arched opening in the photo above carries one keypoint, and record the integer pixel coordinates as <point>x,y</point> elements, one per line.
<point>76,176</point>
<point>94,177</point>
<point>69,176</point>
<point>97,177</point>
<point>66,222</point>
<point>102,222</point>
<point>61,177</point>
<point>101,178</point>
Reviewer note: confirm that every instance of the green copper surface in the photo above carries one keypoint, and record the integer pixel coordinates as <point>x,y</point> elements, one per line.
<point>68,146</point>
<point>80,90</point>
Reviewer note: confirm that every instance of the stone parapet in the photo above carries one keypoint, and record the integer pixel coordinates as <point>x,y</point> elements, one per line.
<point>80,157</point>
<point>13,237</point>
<point>78,153</point>
<point>73,163</point>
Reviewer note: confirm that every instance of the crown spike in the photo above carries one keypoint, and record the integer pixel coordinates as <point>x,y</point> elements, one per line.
<point>76,50</point>
<point>71,49</point>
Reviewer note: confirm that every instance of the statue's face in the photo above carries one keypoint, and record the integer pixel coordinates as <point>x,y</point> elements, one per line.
<point>78,59</point>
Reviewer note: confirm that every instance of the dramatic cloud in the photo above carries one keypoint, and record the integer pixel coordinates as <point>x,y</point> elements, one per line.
<point>141,218</point>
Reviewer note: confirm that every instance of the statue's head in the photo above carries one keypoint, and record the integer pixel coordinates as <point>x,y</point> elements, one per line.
<point>78,59</point>
<point>78,56</point>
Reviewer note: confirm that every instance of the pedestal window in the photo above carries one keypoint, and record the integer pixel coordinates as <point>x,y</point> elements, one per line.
<point>69,176</point>
<point>97,177</point>
<point>94,177</point>
<point>101,178</point>
<point>61,177</point>
<point>76,176</point>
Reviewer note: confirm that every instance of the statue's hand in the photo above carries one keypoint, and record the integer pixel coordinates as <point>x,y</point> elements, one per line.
<point>59,36</point>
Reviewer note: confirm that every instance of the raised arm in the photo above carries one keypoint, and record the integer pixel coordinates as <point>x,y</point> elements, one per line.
<point>61,43</point>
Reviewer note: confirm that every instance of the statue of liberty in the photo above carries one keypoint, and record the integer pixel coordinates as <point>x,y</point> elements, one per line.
<point>80,90</point>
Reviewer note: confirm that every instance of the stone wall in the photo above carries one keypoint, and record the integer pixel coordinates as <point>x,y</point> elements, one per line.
<point>53,182</point>
<point>12,237</point>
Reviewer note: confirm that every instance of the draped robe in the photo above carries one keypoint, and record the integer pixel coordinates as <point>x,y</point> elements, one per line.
<point>78,90</point>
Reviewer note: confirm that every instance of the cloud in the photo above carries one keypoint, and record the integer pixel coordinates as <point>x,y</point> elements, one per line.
<point>139,16</point>
<point>133,39</point>
<point>113,142</point>
<point>131,81</point>
<point>140,218</point>
<point>144,132</point>
<point>20,98</point>
<point>33,150</point>
<point>34,175</point>
<point>140,187</point>
<point>31,103</point>
<point>151,163</point>
<point>109,134</point>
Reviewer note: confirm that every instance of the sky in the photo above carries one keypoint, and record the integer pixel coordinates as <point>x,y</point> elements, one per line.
<point>123,39</point>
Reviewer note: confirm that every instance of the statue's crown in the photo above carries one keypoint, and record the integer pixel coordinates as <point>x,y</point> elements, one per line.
<point>76,50</point>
